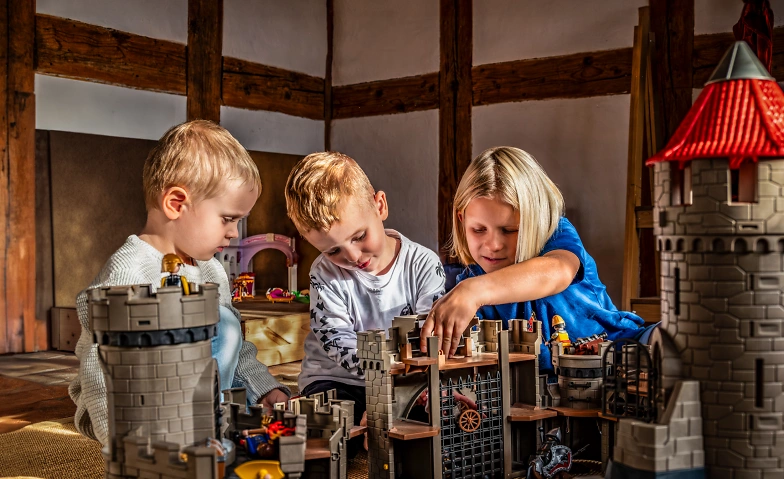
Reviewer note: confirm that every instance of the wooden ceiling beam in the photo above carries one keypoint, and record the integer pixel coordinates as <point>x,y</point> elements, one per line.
<point>71,49</point>
<point>205,62</point>
<point>385,97</point>
<point>260,87</point>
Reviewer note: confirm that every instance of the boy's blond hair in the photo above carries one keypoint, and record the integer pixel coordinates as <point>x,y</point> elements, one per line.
<point>317,187</point>
<point>515,177</point>
<point>198,156</point>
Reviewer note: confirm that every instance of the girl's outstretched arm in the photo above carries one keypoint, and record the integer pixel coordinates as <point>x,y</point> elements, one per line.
<point>530,280</point>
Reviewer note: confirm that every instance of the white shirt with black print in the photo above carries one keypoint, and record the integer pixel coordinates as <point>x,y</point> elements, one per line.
<point>344,302</point>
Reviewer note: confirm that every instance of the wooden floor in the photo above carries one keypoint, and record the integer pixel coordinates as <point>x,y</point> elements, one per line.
<point>34,388</point>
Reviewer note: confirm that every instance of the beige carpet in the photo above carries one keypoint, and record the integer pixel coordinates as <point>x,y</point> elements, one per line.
<point>50,449</point>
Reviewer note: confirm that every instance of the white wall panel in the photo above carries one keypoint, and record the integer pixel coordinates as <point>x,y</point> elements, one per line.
<point>382,39</point>
<point>399,153</point>
<point>83,107</point>
<point>582,144</point>
<point>273,132</point>
<point>163,19</point>
<point>289,34</point>
<point>506,30</point>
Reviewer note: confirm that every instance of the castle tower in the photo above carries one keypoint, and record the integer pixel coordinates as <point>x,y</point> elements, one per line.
<point>161,380</point>
<point>374,357</point>
<point>719,223</point>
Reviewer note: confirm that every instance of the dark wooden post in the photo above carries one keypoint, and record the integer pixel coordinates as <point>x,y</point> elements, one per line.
<point>205,64</point>
<point>328,78</point>
<point>454,114</point>
<point>21,331</point>
<point>672,23</point>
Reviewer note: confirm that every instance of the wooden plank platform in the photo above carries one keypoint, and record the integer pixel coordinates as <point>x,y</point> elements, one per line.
<point>408,430</point>
<point>528,412</point>
<point>357,431</point>
<point>420,361</point>
<point>317,448</point>
<point>572,412</point>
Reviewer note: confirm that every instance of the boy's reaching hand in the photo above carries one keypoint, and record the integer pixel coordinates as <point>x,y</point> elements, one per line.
<point>271,398</point>
<point>450,317</point>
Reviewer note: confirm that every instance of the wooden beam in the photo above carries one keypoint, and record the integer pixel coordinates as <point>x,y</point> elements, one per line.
<point>44,251</point>
<point>578,75</point>
<point>205,49</point>
<point>672,23</point>
<point>328,77</point>
<point>18,181</point>
<point>71,49</point>
<point>454,115</point>
<point>708,50</point>
<point>5,323</point>
<point>260,87</point>
<point>385,97</point>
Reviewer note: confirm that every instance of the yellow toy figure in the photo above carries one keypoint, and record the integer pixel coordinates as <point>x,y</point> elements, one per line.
<point>560,335</point>
<point>171,264</point>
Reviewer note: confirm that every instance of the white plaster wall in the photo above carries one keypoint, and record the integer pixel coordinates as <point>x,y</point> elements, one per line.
<point>273,132</point>
<point>70,105</point>
<point>718,16</point>
<point>382,39</point>
<point>289,34</point>
<point>582,145</point>
<point>399,153</point>
<point>506,30</point>
<point>163,19</point>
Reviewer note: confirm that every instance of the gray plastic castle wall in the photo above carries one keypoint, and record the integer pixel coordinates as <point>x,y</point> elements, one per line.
<point>161,379</point>
<point>722,273</point>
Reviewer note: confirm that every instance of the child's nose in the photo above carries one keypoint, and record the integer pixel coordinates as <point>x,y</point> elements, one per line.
<point>353,255</point>
<point>495,242</point>
<point>233,232</point>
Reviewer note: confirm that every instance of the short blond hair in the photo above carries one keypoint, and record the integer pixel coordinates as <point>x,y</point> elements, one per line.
<point>317,187</point>
<point>199,156</point>
<point>515,177</point>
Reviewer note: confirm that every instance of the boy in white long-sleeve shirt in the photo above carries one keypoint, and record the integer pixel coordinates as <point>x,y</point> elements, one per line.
<point>365,276</point>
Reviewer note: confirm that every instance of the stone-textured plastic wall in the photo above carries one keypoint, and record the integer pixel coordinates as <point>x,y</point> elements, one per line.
<point>722,274</point>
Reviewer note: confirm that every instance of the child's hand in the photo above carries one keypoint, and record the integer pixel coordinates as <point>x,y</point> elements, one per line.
<point>449,318</point>
<point>272,397</point>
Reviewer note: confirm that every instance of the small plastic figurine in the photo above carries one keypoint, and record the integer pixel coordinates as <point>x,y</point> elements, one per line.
<point>171,264</point>
<point>560,335</point>
<point>278,295</point>
<point>552,459</point>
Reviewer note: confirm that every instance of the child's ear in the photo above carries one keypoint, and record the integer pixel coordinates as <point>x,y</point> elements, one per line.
<point>174,201</point>
<point>380,203</point>
<point>460,216</point>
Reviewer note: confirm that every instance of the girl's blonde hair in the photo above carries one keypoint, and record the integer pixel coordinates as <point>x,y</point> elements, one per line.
<point>515,177</point>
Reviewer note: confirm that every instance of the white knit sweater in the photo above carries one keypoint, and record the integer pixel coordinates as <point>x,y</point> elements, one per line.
<point>138,262</point>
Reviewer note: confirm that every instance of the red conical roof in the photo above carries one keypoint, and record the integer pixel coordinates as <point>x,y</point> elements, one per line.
<point>739,115</point>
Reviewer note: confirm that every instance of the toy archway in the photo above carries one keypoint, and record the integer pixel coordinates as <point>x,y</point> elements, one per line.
<point>253,244</point>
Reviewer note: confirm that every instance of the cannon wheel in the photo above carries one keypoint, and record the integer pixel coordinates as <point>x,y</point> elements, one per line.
<point>469,420</point>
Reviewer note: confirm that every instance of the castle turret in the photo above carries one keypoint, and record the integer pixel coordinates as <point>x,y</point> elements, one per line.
<point>719,223</point>
<point>161,379</point>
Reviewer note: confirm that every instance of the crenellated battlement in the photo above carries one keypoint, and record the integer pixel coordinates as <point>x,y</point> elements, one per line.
<point>137,309</point>
<point>143,458</point>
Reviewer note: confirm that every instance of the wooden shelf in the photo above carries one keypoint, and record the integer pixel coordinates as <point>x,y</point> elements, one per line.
<point>317,448</point>
<point>477,360</point>
<point>572,412</point>
<point>407,430</point>
<point>420,361</point>
<point>356,431</point>
<point>608,418</point>
<point>527,412</point>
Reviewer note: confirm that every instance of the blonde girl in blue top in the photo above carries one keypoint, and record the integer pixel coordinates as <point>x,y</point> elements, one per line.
<point>523,257</point>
